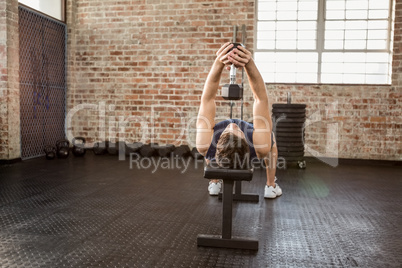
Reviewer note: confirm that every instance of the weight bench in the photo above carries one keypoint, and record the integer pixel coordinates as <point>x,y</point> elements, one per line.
<point>229,176</point>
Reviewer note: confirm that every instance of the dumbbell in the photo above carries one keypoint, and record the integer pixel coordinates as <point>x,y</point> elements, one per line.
<point>195,154</point>
<point>99,148</point>
<point>148,150</point>
<point>165,150</point>
<point>233,91</point>
<point>133,148</point>
<point>182,151</point>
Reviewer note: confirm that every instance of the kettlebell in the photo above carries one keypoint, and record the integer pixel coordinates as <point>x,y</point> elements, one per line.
<point>50,152</point>
<point>79,147</point>
<point>99,148</point>
<point>62,148</point>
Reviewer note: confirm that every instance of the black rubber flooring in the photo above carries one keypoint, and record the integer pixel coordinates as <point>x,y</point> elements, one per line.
<point>96,211</point>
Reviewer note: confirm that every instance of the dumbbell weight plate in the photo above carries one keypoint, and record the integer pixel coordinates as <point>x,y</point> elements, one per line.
<point>287,115</point>
<point>291,149</point>
<point>289,134</point>
<point>293,158</point>
<point>290,144</point>
<point>283,124</point>
<point>289,129</point>
<point>289,120</point>
<point>286,105</point>
<point>288,111</point>
<point>292,154</point>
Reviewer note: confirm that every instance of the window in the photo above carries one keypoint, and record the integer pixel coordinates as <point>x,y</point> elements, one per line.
<point>52,8</point>
<point>324,41</point>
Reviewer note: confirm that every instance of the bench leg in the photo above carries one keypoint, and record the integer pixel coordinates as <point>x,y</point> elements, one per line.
<point>239,196</point>
<point>226,240</point>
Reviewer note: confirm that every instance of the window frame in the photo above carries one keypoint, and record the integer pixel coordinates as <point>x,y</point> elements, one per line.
<point>320,42</point>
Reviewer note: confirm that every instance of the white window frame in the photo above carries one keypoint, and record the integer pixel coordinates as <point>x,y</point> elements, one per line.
<point>320,40</point>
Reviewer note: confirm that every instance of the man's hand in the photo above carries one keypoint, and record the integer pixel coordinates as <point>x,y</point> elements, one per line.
<point>239,56</point>
<point>222,54</point>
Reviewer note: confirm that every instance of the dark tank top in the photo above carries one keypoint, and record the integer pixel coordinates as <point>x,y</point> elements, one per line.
<point>247,128</point>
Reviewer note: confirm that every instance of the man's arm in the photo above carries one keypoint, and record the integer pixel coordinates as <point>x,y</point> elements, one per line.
<point>262,122</point>
<point>206,114</point>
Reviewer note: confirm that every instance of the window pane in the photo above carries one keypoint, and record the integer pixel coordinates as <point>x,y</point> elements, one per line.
<point>377,79</point>
<point>335,14</point>
<point>286,25</point>
<point>333,44</point>
<point>285,44</point>
<point>270,35</point>
<point>337,5</point>
<point>266,15</point>
<point>266,25</point>
<point>378,4</point>
<point>310,5</point>
<point>306,25</point>
<point>378,14</point>
<point>306,44</point>
<point>377,44</point>
<point>287,15</point>
<point>286,5</point>
<point>306,78</point>
<point>334,25</point>
<point>376,68</point>
<point>339,34</point>
<point>355,44</point>
<point>307,15</point>
<point>333,57</point>
<point>363,4</point>
<point>53,8</point>
<point>265,44</point>
<point>332,78</point>
<point>377,34</point>
<point>356,14</point>
<point>285,77</point>
<point>378,24</point>
<point>356,25</point>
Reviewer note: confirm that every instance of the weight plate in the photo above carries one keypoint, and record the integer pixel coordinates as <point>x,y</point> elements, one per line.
<point>291,149</point>
<point>285,138</point>
<point>301,154</point>
<point>287,115</point>
<point>290,144</point>
<point>286,105</point>
<point>293,158</point>
<point>290,125</point>
<point>289,111</point>
<point>290,120</point>
<point>289,135</point>
<point>289,129</point>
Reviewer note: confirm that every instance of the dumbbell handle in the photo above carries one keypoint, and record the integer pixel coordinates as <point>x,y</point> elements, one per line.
<point>232,74</point>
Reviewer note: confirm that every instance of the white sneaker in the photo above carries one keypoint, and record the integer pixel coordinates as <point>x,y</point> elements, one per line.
<point>278,190</point>
<point>269,192</point>
<point>214,188</point>
<point>272,192</point>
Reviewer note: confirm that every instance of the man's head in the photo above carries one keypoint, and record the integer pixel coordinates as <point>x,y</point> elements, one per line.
<point>232,147</point>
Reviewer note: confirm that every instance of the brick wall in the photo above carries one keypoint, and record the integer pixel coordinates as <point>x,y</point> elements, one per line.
<point>137,69</point>
<point>9,81</point>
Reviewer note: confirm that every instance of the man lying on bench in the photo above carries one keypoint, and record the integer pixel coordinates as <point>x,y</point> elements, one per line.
<point>230,141</point>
